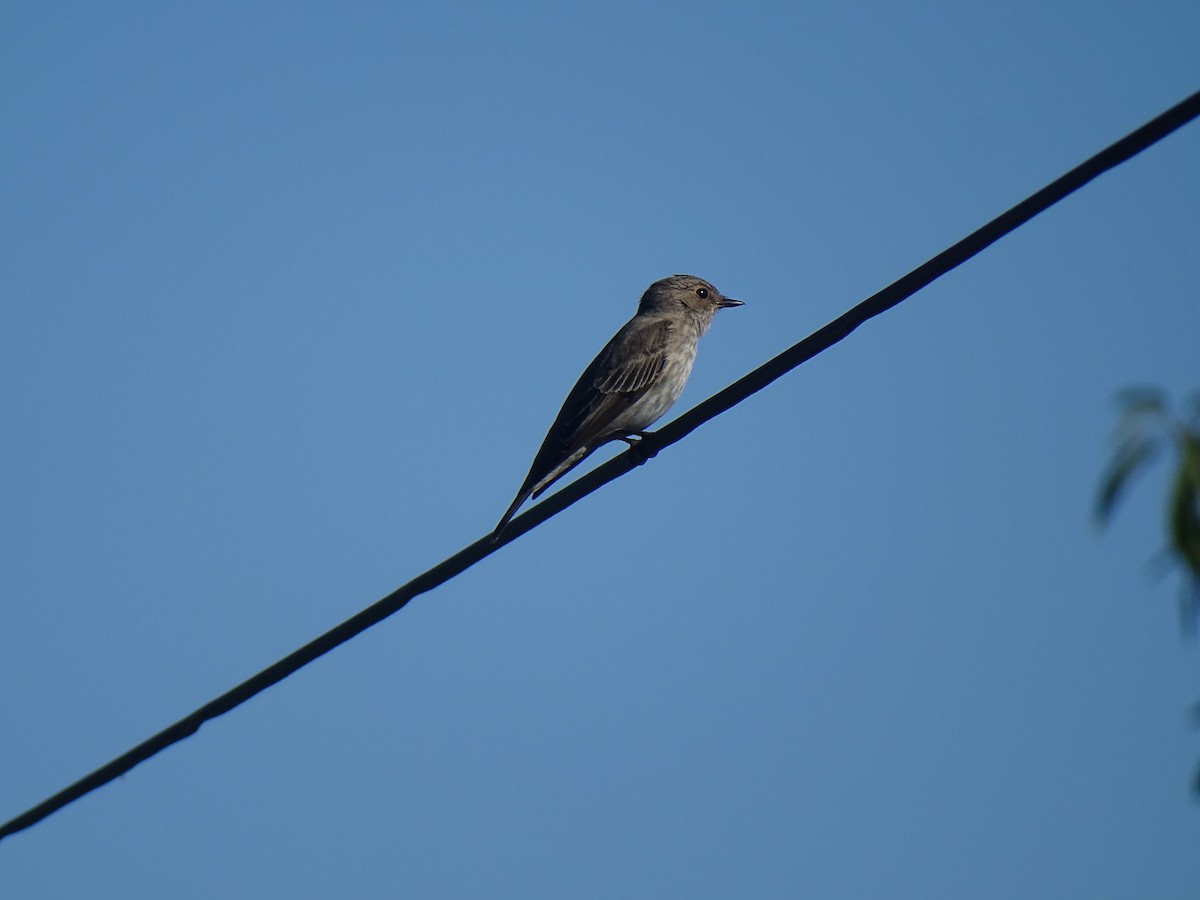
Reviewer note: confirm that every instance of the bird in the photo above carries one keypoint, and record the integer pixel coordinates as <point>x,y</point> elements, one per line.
<point>631,384</point>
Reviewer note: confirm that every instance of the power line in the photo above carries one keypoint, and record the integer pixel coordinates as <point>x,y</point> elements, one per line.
<point>1127,147</point>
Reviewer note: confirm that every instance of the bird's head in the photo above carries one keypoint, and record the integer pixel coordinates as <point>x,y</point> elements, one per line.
<point>695,295</point>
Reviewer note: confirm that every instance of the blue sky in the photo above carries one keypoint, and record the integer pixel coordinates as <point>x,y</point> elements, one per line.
<point>291,293</point>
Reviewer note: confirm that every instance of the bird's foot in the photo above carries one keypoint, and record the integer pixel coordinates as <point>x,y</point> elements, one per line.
<point>640,446</point>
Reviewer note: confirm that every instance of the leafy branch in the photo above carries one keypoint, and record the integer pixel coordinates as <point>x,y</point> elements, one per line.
<point>1146,428</point>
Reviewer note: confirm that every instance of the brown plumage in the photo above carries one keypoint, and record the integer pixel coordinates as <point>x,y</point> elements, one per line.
<point>636,378</point>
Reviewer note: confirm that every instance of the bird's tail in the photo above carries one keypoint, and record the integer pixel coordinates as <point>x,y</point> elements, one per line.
<point>512,511</point>
<point>534,485</point>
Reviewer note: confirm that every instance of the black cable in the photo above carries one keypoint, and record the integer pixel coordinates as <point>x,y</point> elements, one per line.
<point>1127,147</point>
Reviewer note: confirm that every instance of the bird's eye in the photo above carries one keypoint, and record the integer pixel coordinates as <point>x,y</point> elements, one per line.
<point>702,293</point>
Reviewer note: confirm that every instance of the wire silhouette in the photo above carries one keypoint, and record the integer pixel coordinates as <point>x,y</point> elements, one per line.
<point>1121,151</point>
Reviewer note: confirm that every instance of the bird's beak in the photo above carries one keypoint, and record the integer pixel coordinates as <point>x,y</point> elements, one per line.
<point>729,303</point>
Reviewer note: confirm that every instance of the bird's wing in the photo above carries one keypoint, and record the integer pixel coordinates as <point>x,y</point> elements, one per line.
<point>630,365</point>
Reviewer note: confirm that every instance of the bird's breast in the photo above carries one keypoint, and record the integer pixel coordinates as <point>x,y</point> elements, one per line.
<point>661,396</point>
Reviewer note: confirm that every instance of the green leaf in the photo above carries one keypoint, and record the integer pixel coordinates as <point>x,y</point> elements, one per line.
<point>1144,413</point>
<point>1132,455</point>
<point>1185,506</point>
<point>1142,399</point>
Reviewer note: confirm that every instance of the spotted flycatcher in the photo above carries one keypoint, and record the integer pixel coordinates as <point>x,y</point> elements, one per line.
<point>631,384</point>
